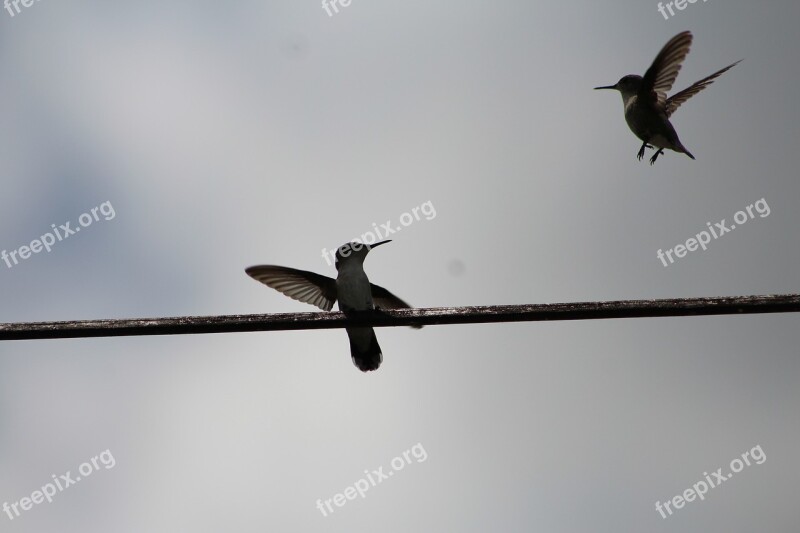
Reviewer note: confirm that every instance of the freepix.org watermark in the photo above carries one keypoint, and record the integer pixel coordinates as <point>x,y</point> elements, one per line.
<point>719,229</point>
<point>46,241</point>
<point>700,488</point>
<point>360,487</point>
<point>679,4</point>
<point>371,237</point>
<point>59,484</point>
<point>327,5</point>
<point>9,4</point>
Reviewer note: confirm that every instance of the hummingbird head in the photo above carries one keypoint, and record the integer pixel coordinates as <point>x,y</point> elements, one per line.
<point>628,85</point>
<point>355,251</point>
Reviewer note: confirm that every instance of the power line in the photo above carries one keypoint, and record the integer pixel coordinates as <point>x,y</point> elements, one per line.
<point>189,325</point>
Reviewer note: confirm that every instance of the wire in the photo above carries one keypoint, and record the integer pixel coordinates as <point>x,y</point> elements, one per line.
<point>192,325</point>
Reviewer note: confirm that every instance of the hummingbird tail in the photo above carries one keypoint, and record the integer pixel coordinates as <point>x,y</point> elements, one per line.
<point>682,149</point>
<point>364,348</point>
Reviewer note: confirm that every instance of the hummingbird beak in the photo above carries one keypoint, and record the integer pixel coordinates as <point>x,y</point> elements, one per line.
<point>371,246</point>
<point>607,87</point>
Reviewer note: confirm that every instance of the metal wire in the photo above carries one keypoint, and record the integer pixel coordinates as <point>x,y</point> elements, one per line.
<point>192,325</point>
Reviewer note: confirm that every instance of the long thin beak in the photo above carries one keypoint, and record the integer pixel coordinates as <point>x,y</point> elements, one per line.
<point>606,87</point>
<point>371,246</point>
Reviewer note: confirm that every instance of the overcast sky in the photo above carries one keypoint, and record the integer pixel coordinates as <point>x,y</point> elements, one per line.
<point>209,137</point>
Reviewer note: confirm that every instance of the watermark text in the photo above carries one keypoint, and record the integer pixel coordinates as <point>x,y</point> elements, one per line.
<point>382,232</point>
<point>679,5</point>
<point>63,231</point>
<point>374,477</point>
<point>59,484</point>
<point>719,229</point>
<point>329,5</point>
<point>702,487</point>
<point>9,4</point>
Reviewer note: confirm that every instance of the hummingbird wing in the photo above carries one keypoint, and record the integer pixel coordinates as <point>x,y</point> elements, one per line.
<point>662,73</point>
<point>384,299</point>
<point>675,101</point>
<point>300,285</point>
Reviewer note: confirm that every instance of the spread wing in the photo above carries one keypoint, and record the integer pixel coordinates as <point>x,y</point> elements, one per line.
<point>675,101</point>
<point>662,73</point>
<point>384,299</point>
<point>300,285</point>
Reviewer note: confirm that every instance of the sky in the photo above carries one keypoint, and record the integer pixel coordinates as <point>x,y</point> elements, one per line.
<point>190,140</point>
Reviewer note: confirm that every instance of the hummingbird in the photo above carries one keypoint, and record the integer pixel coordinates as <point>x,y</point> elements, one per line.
<point>647,108</point>
<point>351,288</point>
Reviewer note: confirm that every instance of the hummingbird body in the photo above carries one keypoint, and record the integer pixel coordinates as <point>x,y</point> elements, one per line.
<point>649,123</point>
<point>647,108</point>
<point>355,294</point>
<point>351,289</point>
<point>352,286</point>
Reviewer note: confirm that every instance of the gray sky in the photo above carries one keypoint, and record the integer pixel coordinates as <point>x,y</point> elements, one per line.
<point>228,135</point>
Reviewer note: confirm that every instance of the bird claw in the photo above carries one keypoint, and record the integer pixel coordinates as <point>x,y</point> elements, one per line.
<point>640,155</point>
<point>655,156</point>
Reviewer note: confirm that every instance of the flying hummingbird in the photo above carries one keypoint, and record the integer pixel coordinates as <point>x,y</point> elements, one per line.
<point>647,108</point>
<point>351,288</point>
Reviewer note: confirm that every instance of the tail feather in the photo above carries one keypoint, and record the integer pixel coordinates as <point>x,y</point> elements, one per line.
<point>364,348</point>
<point>683,149</point>
<point>677,146</point>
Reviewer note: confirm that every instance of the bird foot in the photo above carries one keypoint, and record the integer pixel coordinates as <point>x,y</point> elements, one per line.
<point>655,156</point>
<point>640,155</point>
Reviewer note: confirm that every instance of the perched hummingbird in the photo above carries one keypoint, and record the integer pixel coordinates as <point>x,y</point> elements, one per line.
<point>647,108</point>
<point>351,288</point>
